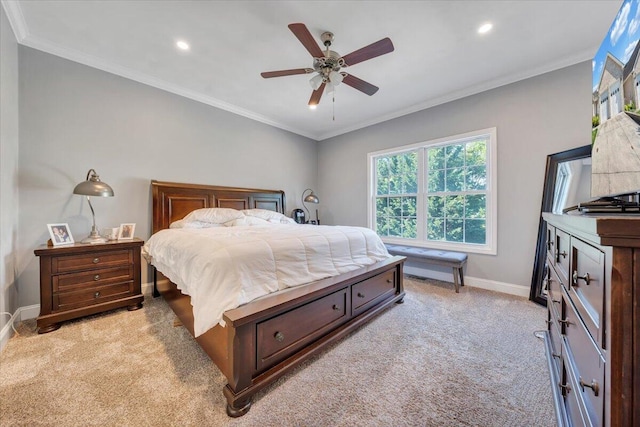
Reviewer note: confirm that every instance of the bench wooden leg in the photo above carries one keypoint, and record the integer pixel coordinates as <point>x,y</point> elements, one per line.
<point>455,279</point>
<point>461,276</point>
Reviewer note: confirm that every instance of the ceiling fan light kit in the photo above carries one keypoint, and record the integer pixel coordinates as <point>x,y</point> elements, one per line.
<point>327,65</point>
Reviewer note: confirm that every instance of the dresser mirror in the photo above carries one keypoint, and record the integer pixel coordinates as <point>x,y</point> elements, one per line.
<point>567,182</point>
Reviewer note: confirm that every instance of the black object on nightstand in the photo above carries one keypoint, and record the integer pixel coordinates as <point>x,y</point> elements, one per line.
<point>83,279</point>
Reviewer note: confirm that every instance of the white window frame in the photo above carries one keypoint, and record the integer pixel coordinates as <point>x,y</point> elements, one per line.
<point>491,245</point>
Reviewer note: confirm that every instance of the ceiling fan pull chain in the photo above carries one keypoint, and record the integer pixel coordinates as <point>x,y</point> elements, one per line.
<point>334,104</point>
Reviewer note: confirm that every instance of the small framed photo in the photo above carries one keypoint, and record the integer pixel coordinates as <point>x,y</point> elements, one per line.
<point>126,231</point>
<point>60,234</point>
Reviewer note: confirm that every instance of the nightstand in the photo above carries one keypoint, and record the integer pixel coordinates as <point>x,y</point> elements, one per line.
<point>83,279</point>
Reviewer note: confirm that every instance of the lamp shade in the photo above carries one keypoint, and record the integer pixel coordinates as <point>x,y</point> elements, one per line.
<point>92,186</point>
<point>311,198</point>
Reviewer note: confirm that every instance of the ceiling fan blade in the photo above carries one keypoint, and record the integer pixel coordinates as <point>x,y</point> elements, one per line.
<point>269,74</point>
<point>360,84</point>
<point>316,95</point>
<point>307,40</point>
<point>374,49</point>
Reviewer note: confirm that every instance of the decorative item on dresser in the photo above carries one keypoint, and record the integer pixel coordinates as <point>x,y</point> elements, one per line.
<point>593,336</point>
<point>82,279</point>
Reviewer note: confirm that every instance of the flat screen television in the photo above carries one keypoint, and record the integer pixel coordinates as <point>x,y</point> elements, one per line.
<point>615,163</point>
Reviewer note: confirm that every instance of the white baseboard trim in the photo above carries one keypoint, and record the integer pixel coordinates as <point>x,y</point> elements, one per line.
<point>474,282</point>
<point>22,313</point>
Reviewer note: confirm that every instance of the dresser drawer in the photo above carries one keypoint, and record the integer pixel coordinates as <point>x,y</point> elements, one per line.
<point>561,255</point>
<point>587,286</point>
<point>75,281</point>
<point>556,342</point>
<point>283,335</point>
<point>551,242</point>
<point>91,296</point>
<point>64,264</point>
<point>554,290</point>
<point>365,293</point>
<point>587,366</point>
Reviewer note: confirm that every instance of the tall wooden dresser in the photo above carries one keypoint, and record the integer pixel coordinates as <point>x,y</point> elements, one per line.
<point>593,336</point>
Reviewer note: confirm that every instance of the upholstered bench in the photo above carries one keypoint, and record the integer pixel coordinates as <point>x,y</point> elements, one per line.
<point>455,260</point>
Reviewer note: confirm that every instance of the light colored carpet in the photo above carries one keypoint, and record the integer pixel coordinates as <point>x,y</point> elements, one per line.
<point>439,359</point>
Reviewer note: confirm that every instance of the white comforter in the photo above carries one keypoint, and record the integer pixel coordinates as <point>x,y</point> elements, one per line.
<point>224,267</point>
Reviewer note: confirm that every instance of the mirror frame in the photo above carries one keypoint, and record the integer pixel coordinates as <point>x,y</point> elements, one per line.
<point>553,160</point>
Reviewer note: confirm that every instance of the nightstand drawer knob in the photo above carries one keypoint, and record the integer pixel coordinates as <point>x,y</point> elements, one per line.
<point>360,295</point>
<point>96,277</point>
<point>279,336</point>
<point>96,260</point>
<point>96,295</point>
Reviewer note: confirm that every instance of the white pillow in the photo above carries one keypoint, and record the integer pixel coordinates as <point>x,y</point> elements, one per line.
<point>247,220</point>
<point>271,216</point>
<point>214,215</point>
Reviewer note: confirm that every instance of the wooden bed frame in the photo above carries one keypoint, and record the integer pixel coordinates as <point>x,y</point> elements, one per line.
<point>266,338</point>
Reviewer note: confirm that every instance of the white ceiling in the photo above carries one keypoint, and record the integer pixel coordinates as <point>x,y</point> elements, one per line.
<point>438,57</point>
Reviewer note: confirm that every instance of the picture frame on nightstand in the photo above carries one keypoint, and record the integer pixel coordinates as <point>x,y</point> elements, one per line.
<point>60,234</point>
<point>126,231</point>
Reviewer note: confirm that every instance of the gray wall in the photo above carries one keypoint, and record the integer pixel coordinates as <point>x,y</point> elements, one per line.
<point>8,168</point>
<point>535,117</point>
<point>73,118</point>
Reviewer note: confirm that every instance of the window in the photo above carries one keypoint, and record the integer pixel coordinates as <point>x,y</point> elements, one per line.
<point>438,194</point>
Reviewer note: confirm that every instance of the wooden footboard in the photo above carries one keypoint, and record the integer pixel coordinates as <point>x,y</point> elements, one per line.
<point>265,339</point>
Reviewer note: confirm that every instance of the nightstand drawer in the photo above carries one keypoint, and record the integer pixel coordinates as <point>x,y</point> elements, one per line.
<point>75,281</point>
<point>93,260</point>
<point>90,296</point>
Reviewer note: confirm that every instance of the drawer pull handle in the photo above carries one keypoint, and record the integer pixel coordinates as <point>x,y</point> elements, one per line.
<point>566,322</point>
<point>575,277</point>
<point>96,295</point>
<point>96,277</point>
<point>566,387</point>
<point>335,307</point>
<point>96,260</point>
<point>556,355</point>
<point>562,254</point>
<point>549,244</point>
<point>360,295</point>
<point>279,336</point>
<point>593,386</point>
<point>389,280</point>
<point>557,301</point>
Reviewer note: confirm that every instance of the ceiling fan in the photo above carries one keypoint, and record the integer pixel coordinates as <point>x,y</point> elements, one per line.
<point>327,64</point>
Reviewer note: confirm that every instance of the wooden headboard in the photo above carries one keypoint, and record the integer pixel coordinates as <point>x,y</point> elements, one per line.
<point>173,201</point>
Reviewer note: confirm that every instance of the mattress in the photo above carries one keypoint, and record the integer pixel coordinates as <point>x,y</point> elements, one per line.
<point>222,268</point>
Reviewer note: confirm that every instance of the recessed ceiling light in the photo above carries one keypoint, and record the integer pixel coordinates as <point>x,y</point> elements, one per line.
<point>182,45</point>
<point>485,28</point>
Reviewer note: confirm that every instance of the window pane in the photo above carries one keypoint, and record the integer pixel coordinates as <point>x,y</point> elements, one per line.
<point>477,178</point>
<point>395,206</point>
<point>454,155</point>
<point>395,226</point>
<point>435,207</point>
<point>435,182</point>
<point>409,228</point>
<point>454,207</point>
<point>382,185</point>
<point>381,204</point>
<point>475,231</point>
<point>455,179</point>
<point>476,206</point>
<point>381,226</point>
<point>409,207</point>
<point>435,158</point>
<point>477,153</point>
<point>454,230</point>
<point>435,229</point>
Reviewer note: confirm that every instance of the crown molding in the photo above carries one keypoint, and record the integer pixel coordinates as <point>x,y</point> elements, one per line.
<point>16,19</point>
